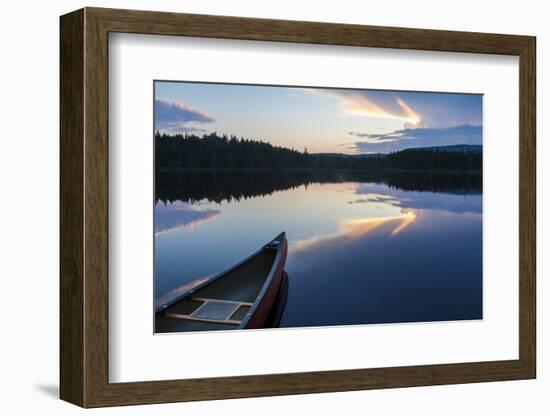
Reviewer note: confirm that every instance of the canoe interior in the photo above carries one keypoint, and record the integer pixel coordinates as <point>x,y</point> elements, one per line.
<point>229,298</point>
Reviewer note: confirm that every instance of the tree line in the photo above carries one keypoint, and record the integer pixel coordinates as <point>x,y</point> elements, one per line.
<point>215,152</point>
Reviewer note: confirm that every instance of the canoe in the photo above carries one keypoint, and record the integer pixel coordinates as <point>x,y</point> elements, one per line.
<point>243,297</point>
<point>276,314</point>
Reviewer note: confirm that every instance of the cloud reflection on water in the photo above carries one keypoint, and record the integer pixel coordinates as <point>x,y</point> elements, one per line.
<point>174,216</point>
<point>452,202</point>
<point>354,229</point>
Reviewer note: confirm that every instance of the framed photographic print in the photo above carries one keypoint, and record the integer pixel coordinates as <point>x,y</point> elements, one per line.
<point>255,207</point>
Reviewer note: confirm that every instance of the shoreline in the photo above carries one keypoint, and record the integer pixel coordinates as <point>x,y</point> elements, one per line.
<point>309,170</point>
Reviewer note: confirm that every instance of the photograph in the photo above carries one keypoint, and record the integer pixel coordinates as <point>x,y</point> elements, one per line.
<point>298,206</point>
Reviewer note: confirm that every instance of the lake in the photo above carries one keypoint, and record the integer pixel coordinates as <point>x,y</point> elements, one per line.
<point>363,248</point>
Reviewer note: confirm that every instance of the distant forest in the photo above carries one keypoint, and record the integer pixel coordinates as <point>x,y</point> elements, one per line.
<point>215,152</point>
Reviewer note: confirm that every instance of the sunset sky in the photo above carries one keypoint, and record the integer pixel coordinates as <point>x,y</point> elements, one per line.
<point>320,119</point>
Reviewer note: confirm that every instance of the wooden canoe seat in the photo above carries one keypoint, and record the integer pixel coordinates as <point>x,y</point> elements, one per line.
<point>217,311</point>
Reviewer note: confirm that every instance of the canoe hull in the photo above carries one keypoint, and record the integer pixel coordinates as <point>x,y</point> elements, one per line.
<point>266,303</point>
<point>276,315</point>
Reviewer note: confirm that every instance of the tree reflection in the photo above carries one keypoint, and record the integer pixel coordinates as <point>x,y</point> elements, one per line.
<point>219,186</point>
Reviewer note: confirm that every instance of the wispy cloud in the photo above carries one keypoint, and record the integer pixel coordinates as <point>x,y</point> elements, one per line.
<point>418,137</point>
<point>179,118</point>
<point>356,134</point>
<point>412,119</point>
<point>372,138</point>
<point>364,103</point>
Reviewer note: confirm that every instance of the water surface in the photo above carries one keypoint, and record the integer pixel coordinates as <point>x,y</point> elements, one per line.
<point>362,248</point>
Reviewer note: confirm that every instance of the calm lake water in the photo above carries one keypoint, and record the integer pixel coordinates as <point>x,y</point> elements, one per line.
<point>362,249</point>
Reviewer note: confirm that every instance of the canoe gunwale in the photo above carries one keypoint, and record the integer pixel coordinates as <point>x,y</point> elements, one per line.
<point>268,280</point>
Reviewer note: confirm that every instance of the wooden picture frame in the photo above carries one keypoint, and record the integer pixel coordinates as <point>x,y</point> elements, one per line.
<point>84,207</point>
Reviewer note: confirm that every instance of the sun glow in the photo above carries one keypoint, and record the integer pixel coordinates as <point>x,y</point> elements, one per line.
<point>410,116</point>
<point>360,104</point>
